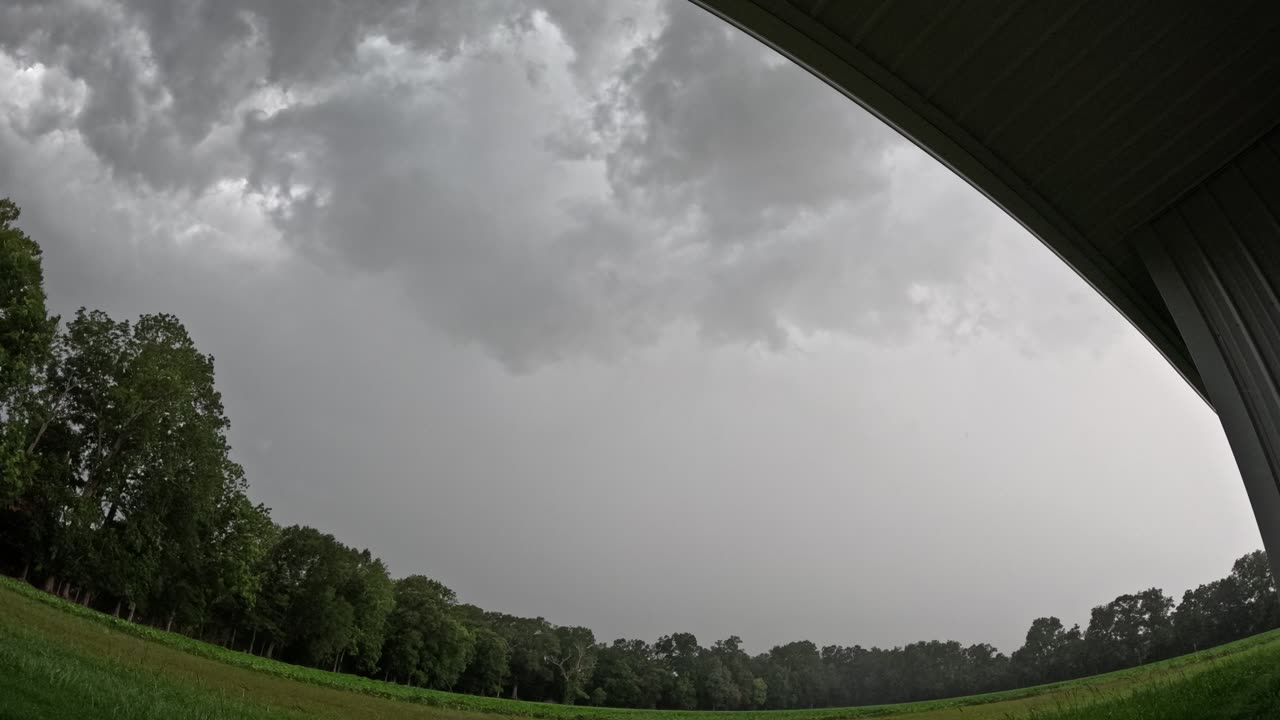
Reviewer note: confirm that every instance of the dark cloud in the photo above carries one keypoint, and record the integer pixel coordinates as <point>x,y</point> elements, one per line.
<point>642,166</point>
<point>162,76</point>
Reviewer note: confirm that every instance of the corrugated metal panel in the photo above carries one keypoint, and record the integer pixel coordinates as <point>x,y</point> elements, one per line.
<point>1107,109</point>
<point>1222,243</point>
<point>1215,256</point>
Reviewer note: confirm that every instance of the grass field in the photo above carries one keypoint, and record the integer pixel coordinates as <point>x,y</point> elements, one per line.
<point>59,660</point>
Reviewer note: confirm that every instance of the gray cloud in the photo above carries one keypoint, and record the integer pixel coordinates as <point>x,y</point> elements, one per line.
<point>684,175</point>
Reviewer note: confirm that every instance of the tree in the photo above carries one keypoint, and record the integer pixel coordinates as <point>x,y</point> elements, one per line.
<point>237,560</point>
<point>986,670</point>
<point>323,602</point>
<point>1050,652</point>
<point>306,570</point>
<point>628,674</point>
<point>1212,614</point>
<point>737,664</point>
<point>716,687</point>
<point>1129,630</point>
<point>426,644</point>
<point>154,482</point>
<point>488,668</point>
<point>574,658</point>
<point>26,334</point>
<point>679,653</point>
<point>127,433</point>
<point>370,591</point>
<point>1252,574</point>
<point>530,641</point>
<point>797,679</point>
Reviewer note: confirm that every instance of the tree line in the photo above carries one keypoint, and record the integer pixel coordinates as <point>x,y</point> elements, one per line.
<point>118,491</point>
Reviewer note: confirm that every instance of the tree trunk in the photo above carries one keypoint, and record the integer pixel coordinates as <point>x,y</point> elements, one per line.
<point>50,583</point>
<point>253,638</point>
<point>168,627</point>
<point>76,597</point>
<point>232,643</point>
<point>26,568</point>
<point>132,607</point>
<point>515,689</point>
<point>116,612</point>
<point>271,649</point>
<point>88,598</point>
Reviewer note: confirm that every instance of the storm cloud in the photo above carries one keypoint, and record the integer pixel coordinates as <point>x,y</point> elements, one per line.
<point>644,167</point>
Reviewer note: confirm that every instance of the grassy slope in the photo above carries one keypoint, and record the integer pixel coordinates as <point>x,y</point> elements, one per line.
<point>60,660</point>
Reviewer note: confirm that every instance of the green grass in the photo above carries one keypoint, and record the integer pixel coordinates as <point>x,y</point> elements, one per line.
<point>60,660</point>
<point>1244,687</point>
<point>39,680</point>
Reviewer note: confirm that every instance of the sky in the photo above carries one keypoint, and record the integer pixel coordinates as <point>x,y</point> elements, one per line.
<point>606,313</point>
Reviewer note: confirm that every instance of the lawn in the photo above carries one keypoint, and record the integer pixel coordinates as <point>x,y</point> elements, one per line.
<point>59,660</point>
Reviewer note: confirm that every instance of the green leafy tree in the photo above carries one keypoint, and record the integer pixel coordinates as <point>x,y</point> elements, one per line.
<point>1252,574</point>
<point>1211,614</point>
<point>159,477</point>
<point>1050,652</point>
<point>737,664</point>
<point>759,692</point>
<point>1129,630</point>
<point>679,653</point>
<point>574,660</point>
<point>323,602</point>
<point>530,641</point>
<point>26,335</point>
<point>717,689</point>
<point>797,678</point>
<point>237,556</point>
<point>488,668</point>
<point>427,644</point>
<point>629,674</point>
<point>371,593</point>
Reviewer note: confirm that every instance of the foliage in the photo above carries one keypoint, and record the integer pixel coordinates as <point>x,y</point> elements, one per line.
<point>1050,651</point>
<point>426,645</point>
<point>323,602</point>
<point>489,666</point>
<point>26,334</point>
<point>136,665</point>
<point>1129,630</point>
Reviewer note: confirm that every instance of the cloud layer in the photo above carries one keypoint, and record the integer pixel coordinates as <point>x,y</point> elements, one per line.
<point>541,180</point>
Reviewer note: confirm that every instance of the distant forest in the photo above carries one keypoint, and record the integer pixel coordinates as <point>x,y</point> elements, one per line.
<point>117,491</point>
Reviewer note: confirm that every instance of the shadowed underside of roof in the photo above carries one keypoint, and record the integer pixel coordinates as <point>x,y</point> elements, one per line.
<point>1083,119</point>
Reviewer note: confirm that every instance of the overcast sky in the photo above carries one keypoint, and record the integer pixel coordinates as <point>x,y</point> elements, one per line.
<point>606,313</point>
